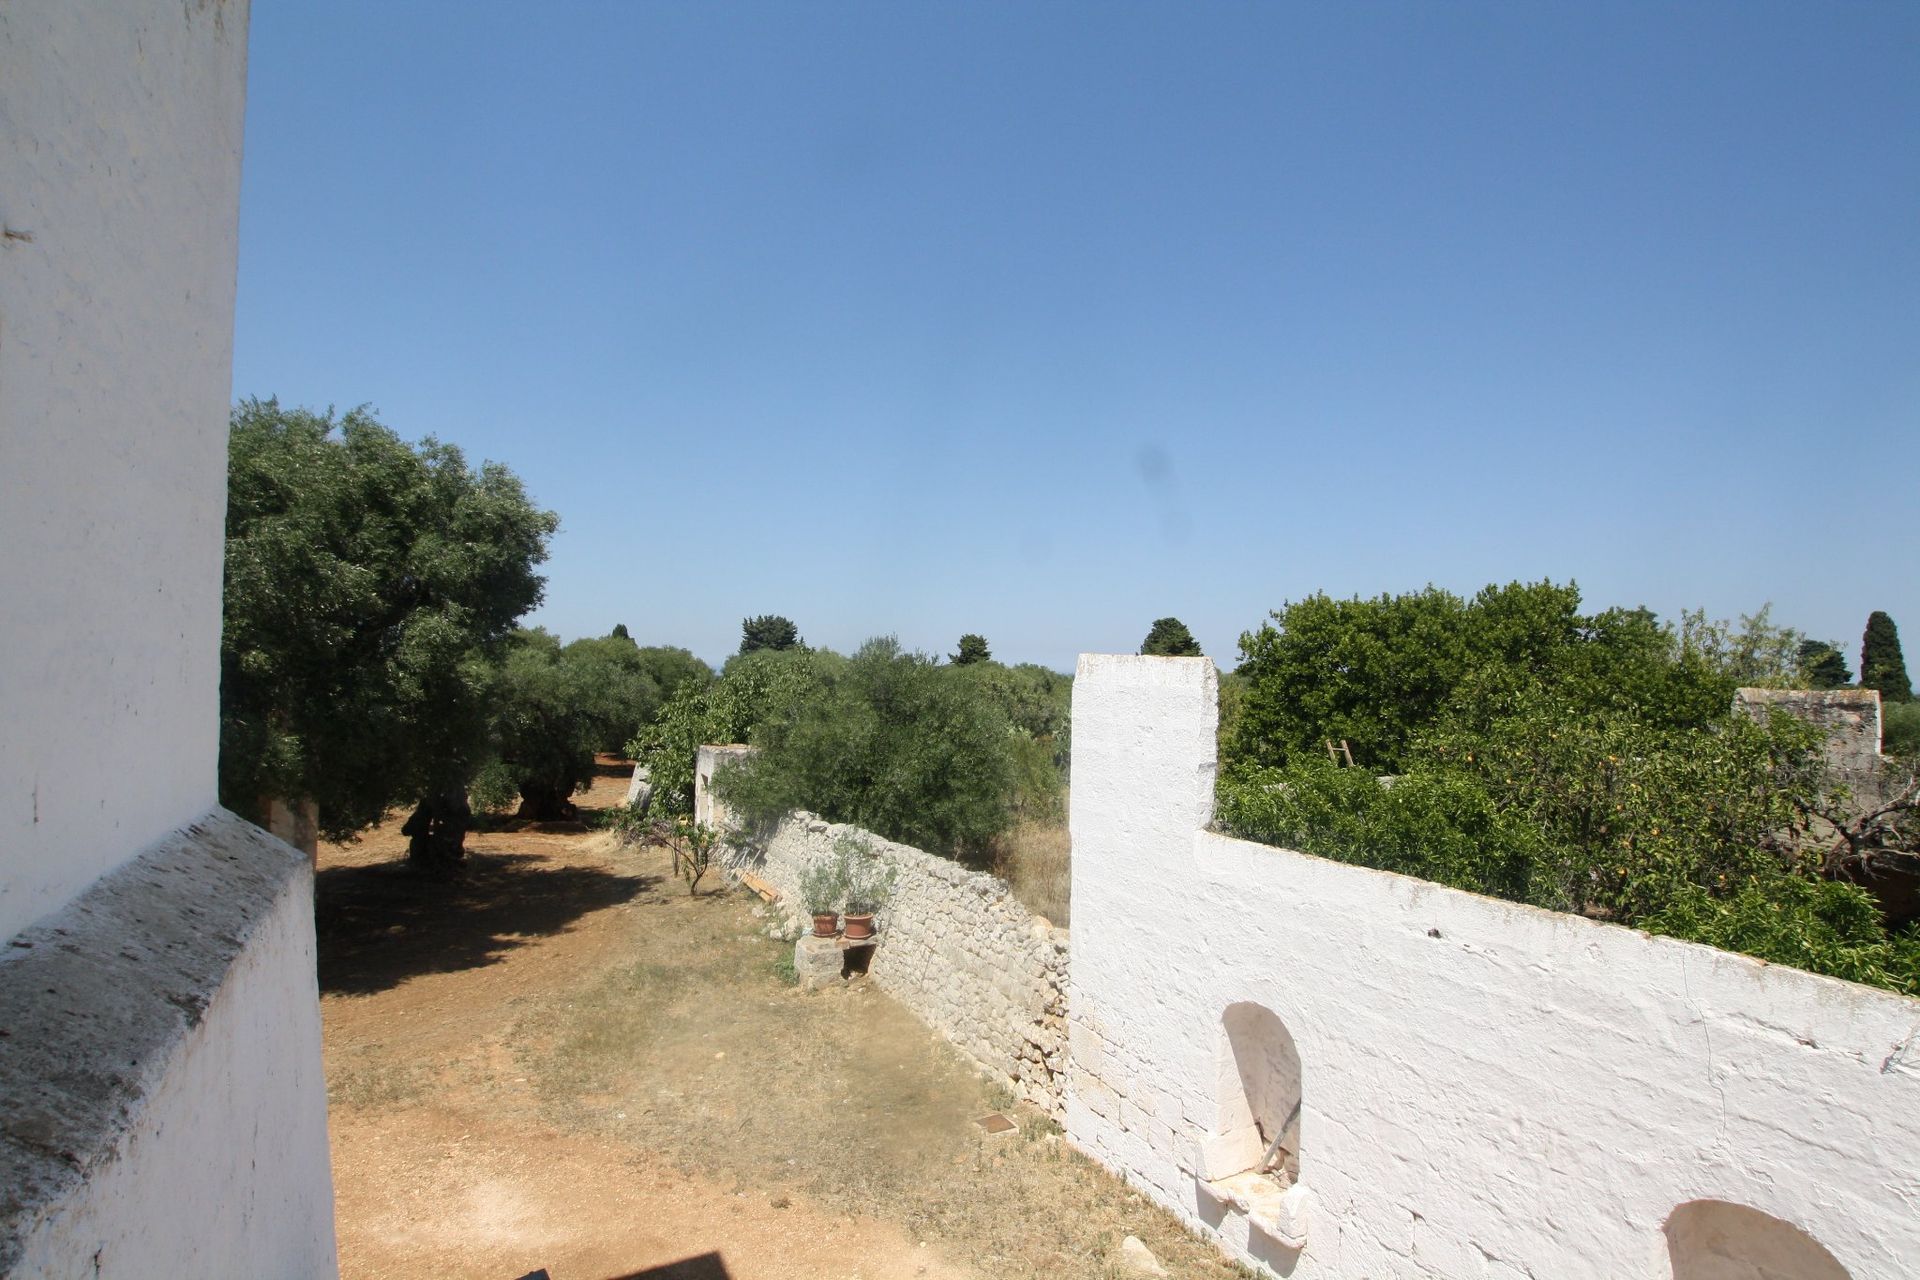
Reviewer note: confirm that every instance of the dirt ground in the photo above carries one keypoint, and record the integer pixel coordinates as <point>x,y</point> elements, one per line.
<point>559,1059</point>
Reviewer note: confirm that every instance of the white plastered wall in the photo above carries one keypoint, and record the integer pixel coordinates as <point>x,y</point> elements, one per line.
<point>1489,1091</point>
<point>162,1104</point>
<point>120,130</point>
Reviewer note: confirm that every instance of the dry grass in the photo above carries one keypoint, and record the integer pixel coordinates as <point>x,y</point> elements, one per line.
<point>701,1054</point>
<point>1034,856</point>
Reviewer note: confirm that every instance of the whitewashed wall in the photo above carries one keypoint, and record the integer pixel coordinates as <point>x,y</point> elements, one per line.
<point>1488,1090</point>
<point>119,197</point>
<point>162,1110</point>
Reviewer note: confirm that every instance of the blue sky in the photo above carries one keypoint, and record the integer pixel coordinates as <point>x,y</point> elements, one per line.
<point>1046,321</point>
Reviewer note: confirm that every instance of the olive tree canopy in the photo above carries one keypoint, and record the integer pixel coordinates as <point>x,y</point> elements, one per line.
<point>369,586</point>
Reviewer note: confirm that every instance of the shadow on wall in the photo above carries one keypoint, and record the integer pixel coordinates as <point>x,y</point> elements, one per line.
<point>1260,1093</point>
<point>1715,1240</point>
<point>379,925</point>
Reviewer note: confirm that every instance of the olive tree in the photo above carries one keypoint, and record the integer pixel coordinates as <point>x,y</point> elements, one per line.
<point>370,587</point>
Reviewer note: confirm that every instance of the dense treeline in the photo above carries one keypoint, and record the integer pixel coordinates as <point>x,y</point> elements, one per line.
<point>1585,762</point>
<point>370,655</point>
<point>942,756</point>
<point>1589,762</point>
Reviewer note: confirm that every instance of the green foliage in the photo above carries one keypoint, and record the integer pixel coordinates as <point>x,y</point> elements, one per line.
<point>620,632</point>
<point>631,823</point>
<point>693,844</point>
<point>494,788</point>
<point>369,586</point>
<point>1755,654</point>
<point>1821,666</point>
<point>866,878</point>
<point>1378,672</point>
<point>1681,831</point>
<point>887,740</point>
<point>768,631</point>
<point>1882,665</point>
<point>1586,764</point>
<point>751,689</point>
<point>823,887</point>
<point>555,706</point>
<point>541,730</point>
<point>1900,729</point>
<point>973,648</point>
<point>1169,638</point>
<point>1372,672</point>
<point>1822,925</point>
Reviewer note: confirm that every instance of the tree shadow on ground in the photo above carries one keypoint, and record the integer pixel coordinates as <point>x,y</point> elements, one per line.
<point>708,1266</point>
<point>379,925</point>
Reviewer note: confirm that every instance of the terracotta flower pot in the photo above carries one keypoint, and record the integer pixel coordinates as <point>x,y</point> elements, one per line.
<point>825,924</point>
<point>859,925</point>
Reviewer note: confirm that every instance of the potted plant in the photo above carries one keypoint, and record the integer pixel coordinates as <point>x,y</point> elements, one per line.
<point>868,879</point>
<point>821,886</point>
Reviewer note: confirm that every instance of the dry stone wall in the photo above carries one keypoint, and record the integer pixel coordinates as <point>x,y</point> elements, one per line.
<point>956,947</point>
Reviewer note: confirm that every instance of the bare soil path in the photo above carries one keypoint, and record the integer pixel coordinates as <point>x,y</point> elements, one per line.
<point>559,1059</point>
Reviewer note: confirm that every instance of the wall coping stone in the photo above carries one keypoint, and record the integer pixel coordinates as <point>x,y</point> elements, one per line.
<point>96,999</point>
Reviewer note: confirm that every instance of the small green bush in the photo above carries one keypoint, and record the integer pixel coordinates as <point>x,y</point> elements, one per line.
<point>1820,925</point>
<point>1900,729</point>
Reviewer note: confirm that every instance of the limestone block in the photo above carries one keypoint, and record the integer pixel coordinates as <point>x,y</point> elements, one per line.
<point>817,962</point>
<point>1136,1259</point>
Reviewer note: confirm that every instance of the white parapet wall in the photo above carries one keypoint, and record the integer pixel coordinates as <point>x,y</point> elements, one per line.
<point>162,1103</point>
<point>956,947</point>
<point>1450,1085</point>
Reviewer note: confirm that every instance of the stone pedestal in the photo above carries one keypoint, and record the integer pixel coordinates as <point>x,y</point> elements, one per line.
<point>817,962</point>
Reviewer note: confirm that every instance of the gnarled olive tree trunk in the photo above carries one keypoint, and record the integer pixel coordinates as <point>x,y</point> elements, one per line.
<point>437,831</point>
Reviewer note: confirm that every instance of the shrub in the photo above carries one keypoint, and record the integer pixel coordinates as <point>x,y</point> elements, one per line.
<point>1900,728</point>
<point>750,689</point>
<point>890,741</point>
<point>1821,925</point>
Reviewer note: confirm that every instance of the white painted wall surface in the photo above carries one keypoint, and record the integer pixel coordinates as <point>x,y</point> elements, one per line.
<point>162,1102</point>
<point>225,1169</point>
<point>1490,1091</point>
<point>120,130</point>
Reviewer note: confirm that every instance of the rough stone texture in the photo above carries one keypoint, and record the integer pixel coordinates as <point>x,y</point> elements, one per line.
<point>640,788</point>
<point>1488,1090</point>
<point>956,947</point>
<point>1849,717</point>
<point>162,1104</point>
<point>817,962</point>
<point>708,808</point>
<point>1137,1259</point>
<point>120,131</point>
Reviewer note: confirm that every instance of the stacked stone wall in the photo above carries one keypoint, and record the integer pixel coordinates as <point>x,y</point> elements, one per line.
<point>956,947</point>
<point>1850,719</point>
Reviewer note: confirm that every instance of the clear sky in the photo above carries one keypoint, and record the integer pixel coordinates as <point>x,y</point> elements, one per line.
<point>1044,321</point>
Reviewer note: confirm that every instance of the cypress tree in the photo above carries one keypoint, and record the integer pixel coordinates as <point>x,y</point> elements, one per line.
<point>1882,666</point>
<point>1169,638</point>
